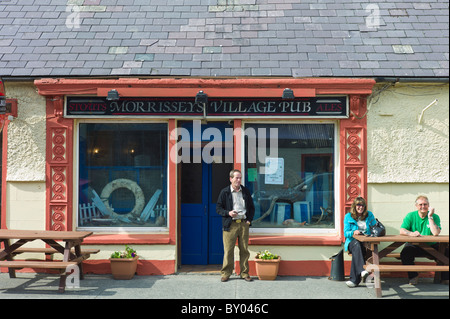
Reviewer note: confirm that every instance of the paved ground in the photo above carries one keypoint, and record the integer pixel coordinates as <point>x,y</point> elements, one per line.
<point>203,295</point>
<point>208,286</point>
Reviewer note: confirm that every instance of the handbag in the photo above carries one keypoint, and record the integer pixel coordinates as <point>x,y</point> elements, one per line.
<point>377,230</point>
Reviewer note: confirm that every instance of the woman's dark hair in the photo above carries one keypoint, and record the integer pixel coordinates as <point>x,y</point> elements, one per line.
<point>359,201</point>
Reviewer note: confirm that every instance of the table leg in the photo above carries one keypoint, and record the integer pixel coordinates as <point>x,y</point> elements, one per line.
<point>11,271</point>
<point>62,279</point>
<point>441,250</point>
<point>376,272</point>
<point>80,265</point>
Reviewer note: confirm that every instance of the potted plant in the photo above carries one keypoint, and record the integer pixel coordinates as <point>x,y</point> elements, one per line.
<point>267,265</point>
<point>124,263</point>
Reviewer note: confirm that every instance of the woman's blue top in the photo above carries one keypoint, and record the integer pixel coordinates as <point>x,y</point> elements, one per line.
<point>350,225</point>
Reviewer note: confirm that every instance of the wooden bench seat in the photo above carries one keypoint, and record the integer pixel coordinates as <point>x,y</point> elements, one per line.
<point>397,256</point>
<point>50,250</point>
<point>412,268</point>
<point>18,264</point>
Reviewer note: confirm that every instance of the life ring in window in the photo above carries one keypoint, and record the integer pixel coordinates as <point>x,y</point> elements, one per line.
<point>133,187</point>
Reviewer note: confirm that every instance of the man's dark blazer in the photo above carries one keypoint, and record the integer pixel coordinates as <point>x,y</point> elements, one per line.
<point>225,205</point>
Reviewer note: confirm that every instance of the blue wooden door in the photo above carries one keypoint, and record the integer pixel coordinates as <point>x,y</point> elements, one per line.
<point>201,227</point>
<point>194,214</point>
<point>219,178</point>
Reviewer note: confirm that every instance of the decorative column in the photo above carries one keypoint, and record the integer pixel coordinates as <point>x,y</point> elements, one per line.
<point>59,167</point>
<point>353,154</point>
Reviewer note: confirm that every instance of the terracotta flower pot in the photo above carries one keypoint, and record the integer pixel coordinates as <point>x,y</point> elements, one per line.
<point>267,269</point>
<point>123,268</point>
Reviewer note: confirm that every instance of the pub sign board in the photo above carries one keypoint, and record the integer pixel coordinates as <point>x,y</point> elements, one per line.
<point>305,107</point>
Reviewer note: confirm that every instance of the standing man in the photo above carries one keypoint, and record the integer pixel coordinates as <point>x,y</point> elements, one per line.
<point>235,205</point>
<point>422,222</point>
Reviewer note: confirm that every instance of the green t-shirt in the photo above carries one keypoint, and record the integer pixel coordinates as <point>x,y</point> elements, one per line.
<point>413,222</point>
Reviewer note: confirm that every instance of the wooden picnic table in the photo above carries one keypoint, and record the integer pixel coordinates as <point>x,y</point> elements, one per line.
<point>373,263</point>
<point>72,253</point>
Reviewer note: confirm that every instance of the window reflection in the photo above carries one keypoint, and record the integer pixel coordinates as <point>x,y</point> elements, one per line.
<point>122,169</point>
<point>294,188</point>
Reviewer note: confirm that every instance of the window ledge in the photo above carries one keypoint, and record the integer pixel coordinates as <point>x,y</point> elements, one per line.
<point>164,239</point>
<point>123,239</point>
<point>295,240</point>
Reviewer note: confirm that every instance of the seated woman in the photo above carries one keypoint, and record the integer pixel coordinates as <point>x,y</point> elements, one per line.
<point>357,221</point>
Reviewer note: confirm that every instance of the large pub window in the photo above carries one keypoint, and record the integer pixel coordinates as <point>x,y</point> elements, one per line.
<point>289,170</point>
<point>122,175</point>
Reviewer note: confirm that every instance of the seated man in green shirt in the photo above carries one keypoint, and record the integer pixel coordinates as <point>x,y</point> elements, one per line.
<point>422,222</point>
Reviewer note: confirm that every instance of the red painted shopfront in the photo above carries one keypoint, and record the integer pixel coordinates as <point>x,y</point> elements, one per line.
<point>61,144</point>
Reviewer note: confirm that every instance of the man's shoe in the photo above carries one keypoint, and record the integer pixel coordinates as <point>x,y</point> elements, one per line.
<point>248,279</point>
<point>224,279</point>
<point>350,284</point>
<point>414,281</point>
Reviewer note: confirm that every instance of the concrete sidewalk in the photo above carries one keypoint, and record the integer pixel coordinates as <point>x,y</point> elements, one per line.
<point>206,286</point>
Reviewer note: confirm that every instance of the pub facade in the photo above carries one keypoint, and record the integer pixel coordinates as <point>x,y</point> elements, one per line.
<point>128,123</point>
<point>141,162</point>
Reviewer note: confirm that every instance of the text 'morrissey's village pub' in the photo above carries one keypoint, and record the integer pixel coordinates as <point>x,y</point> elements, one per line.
<point>126,120</point>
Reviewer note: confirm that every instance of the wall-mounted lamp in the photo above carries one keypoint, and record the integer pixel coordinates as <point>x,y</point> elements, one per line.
<point>113,95</point>
<point>288,94</point>
<point>201,97</point>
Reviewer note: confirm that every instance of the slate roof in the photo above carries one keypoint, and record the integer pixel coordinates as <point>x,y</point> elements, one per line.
<point>260,38</point>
